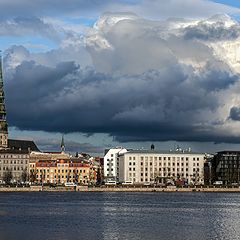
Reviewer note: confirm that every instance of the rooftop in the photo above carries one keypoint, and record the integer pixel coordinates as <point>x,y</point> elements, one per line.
<point>142,151</point>
<point>20,147</point>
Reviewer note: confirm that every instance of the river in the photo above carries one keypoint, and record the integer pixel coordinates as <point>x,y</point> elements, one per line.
<point>119,215</point>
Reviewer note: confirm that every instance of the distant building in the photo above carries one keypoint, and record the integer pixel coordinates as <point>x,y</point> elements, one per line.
<point>223,168</point>
<point>15,158</point>
<point>61,171</point>
<point>111,163</point>
<point>151,166</point>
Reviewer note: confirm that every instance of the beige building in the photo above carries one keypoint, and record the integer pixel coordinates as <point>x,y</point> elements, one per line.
<point>150,166</point>
<point>61,171</point>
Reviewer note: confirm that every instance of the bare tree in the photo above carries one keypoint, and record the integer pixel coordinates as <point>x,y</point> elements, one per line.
<point>25,175</point>
<point>7,176</point>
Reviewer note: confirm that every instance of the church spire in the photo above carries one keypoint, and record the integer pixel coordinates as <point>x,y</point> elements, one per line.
<point>62,144</point>
<point>3,121</point>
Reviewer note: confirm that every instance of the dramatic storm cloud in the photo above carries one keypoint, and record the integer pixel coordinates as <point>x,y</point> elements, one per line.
<point>140,80</point>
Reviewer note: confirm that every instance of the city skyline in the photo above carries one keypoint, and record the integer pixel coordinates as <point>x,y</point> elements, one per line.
<point>109,73</point>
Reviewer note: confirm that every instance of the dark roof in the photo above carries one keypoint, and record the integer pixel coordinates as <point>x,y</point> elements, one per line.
<point>23,145</point>
<point>229,152</point>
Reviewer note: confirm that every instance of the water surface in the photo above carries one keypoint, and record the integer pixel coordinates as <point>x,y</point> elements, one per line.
<point>77,215</point>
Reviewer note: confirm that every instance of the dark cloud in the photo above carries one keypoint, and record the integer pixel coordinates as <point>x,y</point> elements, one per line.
<point>148,83</point>
<point>235,113</point>
<point>155,105</point>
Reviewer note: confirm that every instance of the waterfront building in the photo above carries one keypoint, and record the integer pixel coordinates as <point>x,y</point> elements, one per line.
<point>223,168</point>
<point>166,167</point>
<point>15,159</point>
<point>111,163</point>
<point>61,171</point>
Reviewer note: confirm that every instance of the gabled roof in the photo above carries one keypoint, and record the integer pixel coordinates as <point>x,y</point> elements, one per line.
<point>24,145</point>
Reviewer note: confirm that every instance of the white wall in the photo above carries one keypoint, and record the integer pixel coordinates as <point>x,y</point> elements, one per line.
<point>111,163</point>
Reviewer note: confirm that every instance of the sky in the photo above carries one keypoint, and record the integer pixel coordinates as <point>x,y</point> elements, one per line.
<point>122,73</point>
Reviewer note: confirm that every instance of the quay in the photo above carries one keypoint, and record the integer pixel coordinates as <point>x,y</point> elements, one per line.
<point>118,189</point>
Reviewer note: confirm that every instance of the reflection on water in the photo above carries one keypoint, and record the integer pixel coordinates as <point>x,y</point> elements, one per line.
<point>74,215</point>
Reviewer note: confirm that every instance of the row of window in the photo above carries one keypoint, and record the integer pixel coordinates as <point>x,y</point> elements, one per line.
<point>109,160</point>
<point>14,156</point>
<point>14,168</point>
<point>14,162</point>
<point>166,158</point>
<point>62,176</point>
<point>167,163</point>
<point>66,171</point>
<point>165,169</point>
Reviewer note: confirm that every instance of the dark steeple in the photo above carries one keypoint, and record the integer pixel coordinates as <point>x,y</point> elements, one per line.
<point>62,144</point>
<point>3,121</point>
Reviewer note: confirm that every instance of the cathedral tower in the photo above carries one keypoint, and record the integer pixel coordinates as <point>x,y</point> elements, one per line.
<point>3,121</point>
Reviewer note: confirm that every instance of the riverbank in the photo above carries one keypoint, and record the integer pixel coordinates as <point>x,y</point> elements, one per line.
<point>117,189</point>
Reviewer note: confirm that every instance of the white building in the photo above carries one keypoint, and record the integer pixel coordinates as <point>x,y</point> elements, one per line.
<point>111,163</point>
<point>149,166</point>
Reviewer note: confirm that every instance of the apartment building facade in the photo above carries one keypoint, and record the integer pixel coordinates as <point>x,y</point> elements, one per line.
<point>150,166</point>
